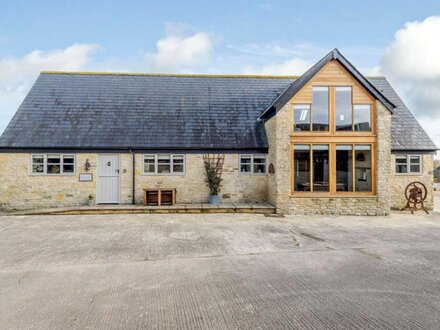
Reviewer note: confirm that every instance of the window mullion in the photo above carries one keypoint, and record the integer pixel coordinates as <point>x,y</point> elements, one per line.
<point>353,169</point>
<point>312,167</point>
<point>171,164</point>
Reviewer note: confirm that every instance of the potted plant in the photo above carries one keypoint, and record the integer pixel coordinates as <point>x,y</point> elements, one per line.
<point>90,200</point>
<point>213,173</point>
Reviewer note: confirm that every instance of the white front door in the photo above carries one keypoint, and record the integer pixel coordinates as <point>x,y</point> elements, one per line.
<point>108,180</point>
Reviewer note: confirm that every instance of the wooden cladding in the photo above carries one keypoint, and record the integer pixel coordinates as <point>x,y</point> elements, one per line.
<point>345,98</point>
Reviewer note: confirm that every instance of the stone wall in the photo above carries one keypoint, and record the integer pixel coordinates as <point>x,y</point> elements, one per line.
<point>278,132</point>
<point>191,187</point>
<point>398,182</point>
<point>21,190</point>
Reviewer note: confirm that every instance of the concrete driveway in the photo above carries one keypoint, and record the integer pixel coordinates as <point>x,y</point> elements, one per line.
<point>219,271</point>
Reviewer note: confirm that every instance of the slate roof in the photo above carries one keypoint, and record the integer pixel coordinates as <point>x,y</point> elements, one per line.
<point>165,112</point>
<point>143,112</point>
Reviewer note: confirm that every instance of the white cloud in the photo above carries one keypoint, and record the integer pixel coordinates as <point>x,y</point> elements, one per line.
<point>295,66</point>
<point>414,54</point>
<point>18,74</point>
<point>178,53</point>
<point>411,62</point>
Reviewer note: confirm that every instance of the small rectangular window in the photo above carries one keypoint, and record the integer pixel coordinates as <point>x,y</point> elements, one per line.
<point>301,113</point>
<point>320,108</point>
<point>246,164</point>
<point>362,117</point>
<point>164,164</point>
<point>414,164</point>
<point>259,164</point>
<point>344,109</point>
<point>37,163</point>
<point>53,164</point>
<point>149,164</point>
<point>68,164</point>
<point>255,164</point>
<point>408,164</point>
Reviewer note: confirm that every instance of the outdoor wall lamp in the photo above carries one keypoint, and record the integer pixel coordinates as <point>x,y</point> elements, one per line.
<point>87,165</point>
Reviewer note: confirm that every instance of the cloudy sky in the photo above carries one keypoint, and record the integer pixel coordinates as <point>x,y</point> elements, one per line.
<point>398,39</point>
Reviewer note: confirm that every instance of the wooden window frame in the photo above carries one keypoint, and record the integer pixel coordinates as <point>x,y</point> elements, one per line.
<point>332,137</point>
<point>332,169</point>
<point>171,164</point>
<point>332,115</point>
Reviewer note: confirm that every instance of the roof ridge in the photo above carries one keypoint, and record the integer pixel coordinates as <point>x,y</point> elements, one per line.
<point>201,75</point>
<point>194,75</point>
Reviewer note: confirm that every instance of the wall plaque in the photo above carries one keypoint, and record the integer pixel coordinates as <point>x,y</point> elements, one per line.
<point>85,177</point>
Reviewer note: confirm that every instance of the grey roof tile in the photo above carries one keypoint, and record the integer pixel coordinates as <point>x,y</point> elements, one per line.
<point>164,112</point>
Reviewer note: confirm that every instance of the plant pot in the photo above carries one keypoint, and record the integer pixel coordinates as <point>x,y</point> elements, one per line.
<point>214,199</point>
<point>90,202</point>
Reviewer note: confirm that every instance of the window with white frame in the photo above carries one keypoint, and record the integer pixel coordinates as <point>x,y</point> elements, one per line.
<point>408,164</point>
<point>52,164</point>
<point>253,164</point>
<point>164,164</point>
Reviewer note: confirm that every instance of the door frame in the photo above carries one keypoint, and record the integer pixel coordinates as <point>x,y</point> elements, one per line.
<point>98,176</point>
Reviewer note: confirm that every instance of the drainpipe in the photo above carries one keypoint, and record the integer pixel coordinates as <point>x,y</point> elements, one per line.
<point>134,175</point>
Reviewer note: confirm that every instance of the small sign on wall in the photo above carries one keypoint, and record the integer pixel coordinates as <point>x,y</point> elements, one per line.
<point>85,177</point>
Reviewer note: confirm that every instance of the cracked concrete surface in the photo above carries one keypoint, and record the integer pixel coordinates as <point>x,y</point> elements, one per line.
<point>219,271</point>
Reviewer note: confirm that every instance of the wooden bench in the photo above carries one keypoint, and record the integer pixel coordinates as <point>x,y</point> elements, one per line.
<point>159,196</point>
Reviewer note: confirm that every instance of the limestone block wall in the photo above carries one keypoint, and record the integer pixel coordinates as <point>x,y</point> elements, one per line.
<point>398,182</point>
<point>278,134</point>
<point>19,189</point>
<point>191,187</point>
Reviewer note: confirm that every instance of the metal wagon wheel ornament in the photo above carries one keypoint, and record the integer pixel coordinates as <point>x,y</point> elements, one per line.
<point>415,194</point>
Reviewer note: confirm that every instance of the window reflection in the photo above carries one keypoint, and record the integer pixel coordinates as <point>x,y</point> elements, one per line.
<point>344,168</point>
<point>301,167</point>
<point>320,168</point>
<point>363,168</point>
<point>320,108</point>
